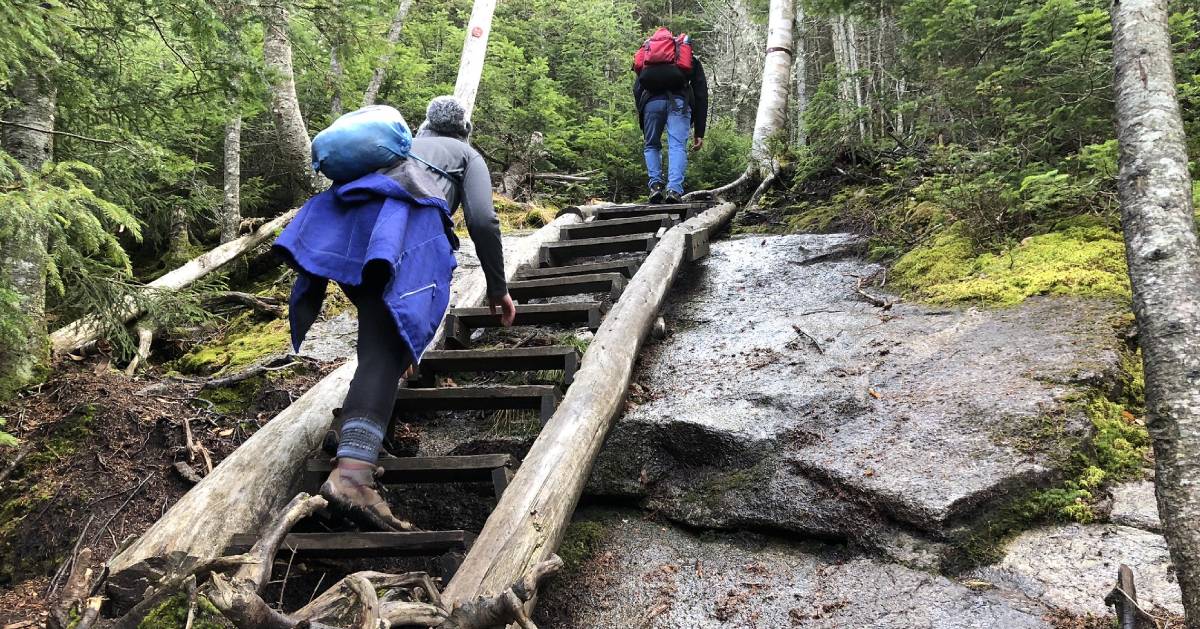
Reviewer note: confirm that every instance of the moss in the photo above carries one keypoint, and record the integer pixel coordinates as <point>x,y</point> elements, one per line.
<point>714,488</point>
<point>234,400</point>
<point>515,216</point>
<point>245,344</point>
<point>580,542</point>
<point>812,219</point>
<point>569,338</point>
<point>172,614</point>
<point>1081,257</point>
<point>1122,444</point>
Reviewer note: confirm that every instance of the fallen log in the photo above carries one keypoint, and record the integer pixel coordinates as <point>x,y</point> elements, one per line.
<point>83,331</point>
<point>528,523</point>
<point>257,479</point>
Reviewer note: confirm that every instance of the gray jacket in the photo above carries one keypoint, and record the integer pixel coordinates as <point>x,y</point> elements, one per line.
<point>464,164</point>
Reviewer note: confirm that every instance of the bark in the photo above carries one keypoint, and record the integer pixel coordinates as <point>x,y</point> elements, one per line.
<point>533,513</point>
<point>1164,270</point>
<point>800,76</point>
<point>845,55</point>
<point>335,70</point>
<point>393,36</point>
<point>732,63</point>
<point>772,100</point>
<point>231,199</point>
<point>254,482</point>
<point>23,253</point>
<point>290,130</point>
<point>516,180</point>
<point>83,331</point>
<point>470,68</point>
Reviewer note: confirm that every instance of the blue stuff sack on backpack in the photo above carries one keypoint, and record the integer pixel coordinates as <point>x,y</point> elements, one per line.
<point>361,142</point>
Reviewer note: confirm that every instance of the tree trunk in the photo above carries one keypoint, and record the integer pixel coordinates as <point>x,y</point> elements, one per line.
<point>336,72</point>
<point>256,480</point>
<point>516,179</point>
<point>1164,269</point>
<point>470,68</point>
<point>528,523</point>
<point>231,199</point>
<point>800,76</point>
<point>777,69</point>
<point>23,254</point>
<point>393,36</point>
<point>290,130</point>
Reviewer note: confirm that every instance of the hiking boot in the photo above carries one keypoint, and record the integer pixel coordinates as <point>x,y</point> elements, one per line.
<point>673,197</point>
<point>360,502</point>
<point>656,193</point>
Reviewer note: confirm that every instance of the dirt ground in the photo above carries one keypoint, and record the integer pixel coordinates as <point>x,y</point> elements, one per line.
<point>98,464</point>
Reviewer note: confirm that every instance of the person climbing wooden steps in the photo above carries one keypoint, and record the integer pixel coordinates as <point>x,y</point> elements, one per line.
<point>383,232</point>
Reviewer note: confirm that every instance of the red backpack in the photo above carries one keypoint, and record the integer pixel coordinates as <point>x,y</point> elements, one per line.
<point>663,47</point>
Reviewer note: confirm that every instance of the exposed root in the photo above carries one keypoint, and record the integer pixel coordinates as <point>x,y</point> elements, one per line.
<point>719,193</point>
<point>145,339</point>
<point>507,606</point>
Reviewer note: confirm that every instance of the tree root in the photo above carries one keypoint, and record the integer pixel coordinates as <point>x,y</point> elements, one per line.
<point>363,600</point>
<point>718,193</point>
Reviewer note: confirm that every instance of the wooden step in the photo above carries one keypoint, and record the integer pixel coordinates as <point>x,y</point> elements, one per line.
<point>461,321</point>
<point>626,267</point>
<point>496,469</point>
<point>358,544</point>
<point>541,288</point>
<point>647,224</point>
<point>563,358</point>
<point>538,397</point>
<point>555,253</point>
<point>683,211</point>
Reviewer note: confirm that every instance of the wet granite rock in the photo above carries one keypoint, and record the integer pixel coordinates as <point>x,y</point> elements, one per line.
<point>1074,566</point>
<point>1134,505</point>
<point>781,399</point>
<point>647,574</point>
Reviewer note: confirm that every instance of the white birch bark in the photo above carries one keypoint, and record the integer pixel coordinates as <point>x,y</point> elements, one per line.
<point>336,73</point>
<point>393,36</point>
<point>772,100</point>
<point>290,130</point>
<point>1164,269</point>
<point>231,198</point>
<point>470,68</point>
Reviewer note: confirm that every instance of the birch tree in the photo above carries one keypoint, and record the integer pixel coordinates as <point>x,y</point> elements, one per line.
<point>1164,270</point>
<point>290,130</point>
<point>800,75</point>
<point>231,197</point>
<point>772,100</point>
<point>393,36</point>
<point>470,68</point>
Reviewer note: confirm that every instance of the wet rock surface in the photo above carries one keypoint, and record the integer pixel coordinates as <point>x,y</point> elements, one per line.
<point>648,574</point>
<point>1134,505</point>
<point>782,399</point>
<point>1073,567</point>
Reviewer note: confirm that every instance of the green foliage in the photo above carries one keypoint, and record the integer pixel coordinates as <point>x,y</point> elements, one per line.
<point>173,613</point>
<point>6,439</point>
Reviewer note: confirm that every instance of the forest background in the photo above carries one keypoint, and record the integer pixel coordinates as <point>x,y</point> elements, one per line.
<point>973,141</point>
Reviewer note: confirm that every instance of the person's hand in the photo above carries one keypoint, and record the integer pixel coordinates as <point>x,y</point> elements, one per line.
<point>508,311</point>
<point>697,143</point>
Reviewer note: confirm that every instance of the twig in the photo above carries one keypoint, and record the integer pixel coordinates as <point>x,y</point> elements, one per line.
<point>195,447</point>
<point>124,504</point>
<point>69,563</point>
<point>872,299</point>
<point>271,364</point>
<point>286,575</point>
<point>63,133</point>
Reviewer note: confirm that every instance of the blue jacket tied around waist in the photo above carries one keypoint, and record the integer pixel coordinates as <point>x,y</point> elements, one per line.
<point>372,220</point>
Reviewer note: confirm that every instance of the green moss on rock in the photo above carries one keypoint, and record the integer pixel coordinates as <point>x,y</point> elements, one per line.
<point>1081,257</point>
<point>245,344</point>
<point>580,542</point>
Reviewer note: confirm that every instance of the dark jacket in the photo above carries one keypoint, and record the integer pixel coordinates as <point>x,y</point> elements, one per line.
<point>374,224</point>
<point>696,93</point>
<point>470,185</point>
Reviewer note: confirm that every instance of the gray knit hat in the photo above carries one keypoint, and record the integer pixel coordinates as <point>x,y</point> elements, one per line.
<point>447,116</point>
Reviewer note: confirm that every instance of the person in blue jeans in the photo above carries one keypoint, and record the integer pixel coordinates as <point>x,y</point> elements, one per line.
<point>669,100</point>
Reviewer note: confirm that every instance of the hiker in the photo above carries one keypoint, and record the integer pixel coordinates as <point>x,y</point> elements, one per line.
<point>672,95</point>
<point>383,232</point>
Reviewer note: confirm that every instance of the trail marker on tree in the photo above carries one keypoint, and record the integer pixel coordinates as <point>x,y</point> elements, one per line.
<point>470,68</point>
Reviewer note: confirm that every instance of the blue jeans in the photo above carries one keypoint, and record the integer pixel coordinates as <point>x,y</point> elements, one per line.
<point>673,114</point>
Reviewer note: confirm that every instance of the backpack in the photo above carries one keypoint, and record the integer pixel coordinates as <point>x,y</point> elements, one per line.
<point>361,142</point>
<point>664,48</point>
